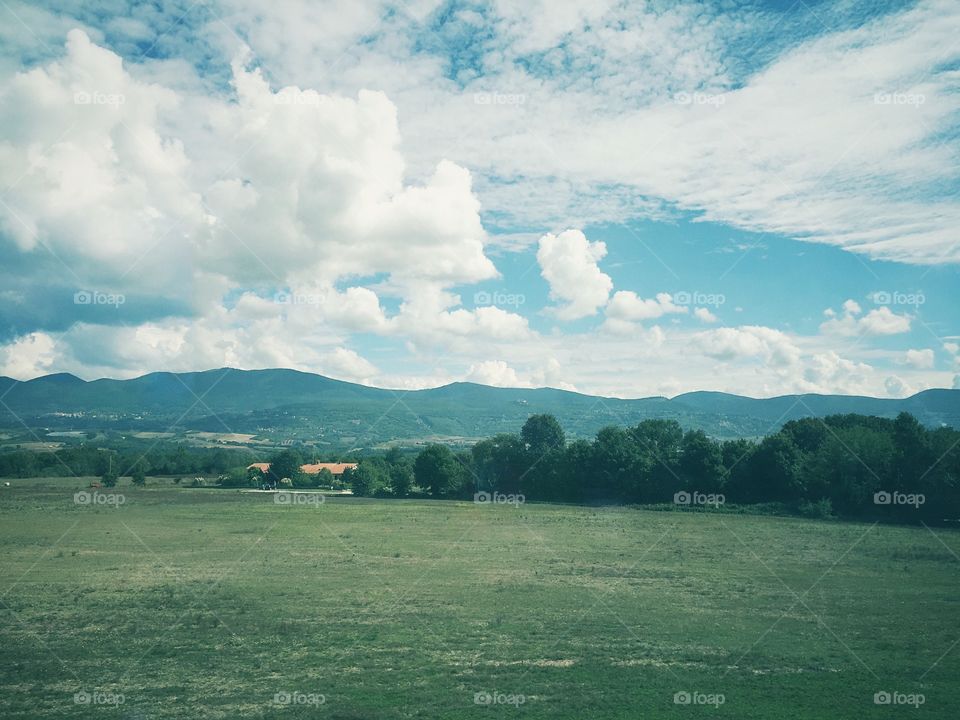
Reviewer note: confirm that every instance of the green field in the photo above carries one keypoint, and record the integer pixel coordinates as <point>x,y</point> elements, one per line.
<point>203,603</point>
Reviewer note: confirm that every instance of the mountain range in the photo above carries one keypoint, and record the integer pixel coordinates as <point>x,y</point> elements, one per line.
<point>288,404</point>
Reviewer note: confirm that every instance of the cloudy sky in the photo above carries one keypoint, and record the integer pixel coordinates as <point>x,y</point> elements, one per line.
<point>624,198</point>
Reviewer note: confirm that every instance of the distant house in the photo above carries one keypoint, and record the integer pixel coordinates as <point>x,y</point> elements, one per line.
<point>336,469</point>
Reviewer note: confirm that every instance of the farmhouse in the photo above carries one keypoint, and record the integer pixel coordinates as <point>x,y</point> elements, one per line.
<point>336,469</point>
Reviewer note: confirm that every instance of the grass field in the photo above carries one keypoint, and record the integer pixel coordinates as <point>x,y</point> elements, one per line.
<point>201,603</point>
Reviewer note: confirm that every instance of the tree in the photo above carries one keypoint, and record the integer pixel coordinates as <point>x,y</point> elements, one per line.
<point>367,478</point>
<point>701,463</point>
<point>324,478</point>
<point>109,478</point>
<point>437,470</point>
<point>139,477</point>
<point>499,463</point>
<point>401,479</point>
<point>285,464</point>
<point>541,434</point>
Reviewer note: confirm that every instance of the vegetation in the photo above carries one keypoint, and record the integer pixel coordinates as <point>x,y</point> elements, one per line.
<point>851,465</point>
<point>200,604</point>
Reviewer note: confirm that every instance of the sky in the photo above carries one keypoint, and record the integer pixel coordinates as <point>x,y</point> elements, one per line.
<point>620,198</point>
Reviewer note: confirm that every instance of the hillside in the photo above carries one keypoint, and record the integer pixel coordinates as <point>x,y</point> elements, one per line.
<point>292,404</point>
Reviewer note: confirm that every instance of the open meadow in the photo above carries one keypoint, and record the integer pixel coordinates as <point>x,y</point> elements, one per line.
<point>175,602</point>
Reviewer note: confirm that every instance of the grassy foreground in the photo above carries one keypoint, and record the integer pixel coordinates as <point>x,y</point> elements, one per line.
<point>199,603</point>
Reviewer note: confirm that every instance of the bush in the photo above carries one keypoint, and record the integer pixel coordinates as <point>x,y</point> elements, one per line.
<point>109,479</point>
<point>822,509</point>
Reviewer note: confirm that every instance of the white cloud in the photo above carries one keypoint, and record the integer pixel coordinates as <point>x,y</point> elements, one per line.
<point>494,372</point>
<point>346,364</point>
<point>896,387</point>
<point>28,356</point>
<point>627,305</point>
<point>568,262</point>
<point>920,359</point>
<point>704,315</point>
<point>880,321</point>
<point>771,346</point>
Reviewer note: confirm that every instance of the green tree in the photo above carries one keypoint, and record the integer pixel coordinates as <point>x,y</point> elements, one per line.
<point>138,477</point>
<point>401,479</point>
<point>367,478</point>
<point>437,470</point>
<point>324,478</point>
<point>109,479</point>
<point>701,463</point>
<point>541,434</point>
<point>285,464</point>
<point>500,462</point>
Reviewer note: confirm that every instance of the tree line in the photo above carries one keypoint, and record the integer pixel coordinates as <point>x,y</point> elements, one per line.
<point>847,465</point>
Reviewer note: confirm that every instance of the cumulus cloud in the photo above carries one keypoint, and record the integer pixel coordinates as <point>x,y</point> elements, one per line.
<point>627,305</point>
<point>494,372</point>
<point>704,315</point>
<point>896,387</point>
<point>771,346</point>
<point>920,359</point>
<point>568,262</point>
<point>346,364</point>
<point>880,321</point>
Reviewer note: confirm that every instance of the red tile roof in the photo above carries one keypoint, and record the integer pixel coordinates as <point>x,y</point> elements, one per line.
<point>311,469</point>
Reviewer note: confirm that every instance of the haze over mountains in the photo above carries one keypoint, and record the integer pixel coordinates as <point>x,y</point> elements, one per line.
<point>288,404</point>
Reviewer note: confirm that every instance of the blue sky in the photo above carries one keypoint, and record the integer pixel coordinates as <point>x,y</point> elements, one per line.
<point>622,198</point>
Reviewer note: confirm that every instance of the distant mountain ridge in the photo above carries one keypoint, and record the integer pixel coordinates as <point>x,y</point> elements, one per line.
<point>294,404</point>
